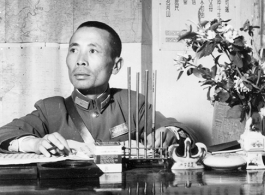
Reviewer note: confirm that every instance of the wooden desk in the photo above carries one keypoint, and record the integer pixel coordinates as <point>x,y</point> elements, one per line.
<point>145,181</point>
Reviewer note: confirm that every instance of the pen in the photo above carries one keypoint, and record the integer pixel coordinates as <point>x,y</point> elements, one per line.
<point>63,152</point>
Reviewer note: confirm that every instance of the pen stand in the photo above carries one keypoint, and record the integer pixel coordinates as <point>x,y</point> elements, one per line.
<point>166,158</point>
<point>253,143</point>
<point>135,160</point>
<point>187,161</point>
<point>160,156</point>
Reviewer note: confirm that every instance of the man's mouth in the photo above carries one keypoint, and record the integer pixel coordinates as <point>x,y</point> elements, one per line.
<point>81,76</point>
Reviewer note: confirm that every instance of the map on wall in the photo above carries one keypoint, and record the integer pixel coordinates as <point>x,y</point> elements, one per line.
<point>33,45</point>
<point>124,16</point>
<point>54,21</point>
<point>28,73</point>
<point>37,21</point>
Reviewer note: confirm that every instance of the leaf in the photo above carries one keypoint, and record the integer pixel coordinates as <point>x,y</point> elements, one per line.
<point>239,41</point>
<point>188,35</point>
<point>249,86</point>
<point>223,96</point>
<point>197,72</point>
<point>213,71</point>
<point>235,112</point>
<point>245,26</point>
<point>230,84</point>
<point>203,23</point>
<point>208,93</point>
<point>214,26</point>
<point>180,74</point>
<point>216,59</point>
<point>207,73</point>
<point>206,49</point>
<point>208,82</point>
<point>214,21</point>
<point>257,101</point>
<point>202,72</point>
<point>250,32</point>
<point>201,47</point>
<point>226,20</point>
<point>237,60</point>
<point>184,34</point>
<point>190,71</point>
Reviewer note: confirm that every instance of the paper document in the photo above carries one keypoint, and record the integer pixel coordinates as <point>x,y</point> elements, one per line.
<point>83,152</point>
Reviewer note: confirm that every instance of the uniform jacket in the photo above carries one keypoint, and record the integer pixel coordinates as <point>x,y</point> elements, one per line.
<point>106,118</point>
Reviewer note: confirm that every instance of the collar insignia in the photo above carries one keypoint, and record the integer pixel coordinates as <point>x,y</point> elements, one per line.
<point>98,104</point>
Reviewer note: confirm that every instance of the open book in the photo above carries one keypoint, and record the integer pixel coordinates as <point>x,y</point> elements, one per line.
<point>83,152</point>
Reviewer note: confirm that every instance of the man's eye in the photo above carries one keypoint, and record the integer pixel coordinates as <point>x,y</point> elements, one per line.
<point>73,50</point>
<point>93,51</point>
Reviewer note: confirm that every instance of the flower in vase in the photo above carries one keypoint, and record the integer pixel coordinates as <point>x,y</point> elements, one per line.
<point>236,77</point>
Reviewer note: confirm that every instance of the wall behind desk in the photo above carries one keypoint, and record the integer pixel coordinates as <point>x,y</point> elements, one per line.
<point>186,99</point>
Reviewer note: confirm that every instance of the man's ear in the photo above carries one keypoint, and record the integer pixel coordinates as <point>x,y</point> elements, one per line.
<point>117,65</point>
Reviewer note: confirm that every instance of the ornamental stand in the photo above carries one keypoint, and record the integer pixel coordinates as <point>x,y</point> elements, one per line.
<point>252,142</point>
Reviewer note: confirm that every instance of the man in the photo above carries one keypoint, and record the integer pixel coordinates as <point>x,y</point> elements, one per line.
<point>93,56</point>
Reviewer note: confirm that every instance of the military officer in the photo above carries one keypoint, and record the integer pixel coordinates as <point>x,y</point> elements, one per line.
<point>93,56</point>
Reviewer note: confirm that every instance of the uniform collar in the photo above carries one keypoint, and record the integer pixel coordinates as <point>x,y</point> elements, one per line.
<point>98,104</point>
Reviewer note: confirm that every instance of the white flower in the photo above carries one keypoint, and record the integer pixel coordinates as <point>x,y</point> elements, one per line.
<point>214,92</point>
<point>230,33</point>
<point>226,28</point>
<point>220,75</point>
<point>262,111</point>
<point>180,61</point>
<point>211,34</point>
<point>240,86</point>
<point>201,35</point>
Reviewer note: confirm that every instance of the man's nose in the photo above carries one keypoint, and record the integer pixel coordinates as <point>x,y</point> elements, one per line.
<point>82,61</point>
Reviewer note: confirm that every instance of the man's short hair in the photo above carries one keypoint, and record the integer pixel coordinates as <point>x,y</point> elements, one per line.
<point>115,37</point>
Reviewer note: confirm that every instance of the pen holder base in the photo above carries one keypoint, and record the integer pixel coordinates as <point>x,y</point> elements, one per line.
<point>131,163</point>
<point>68,169</point>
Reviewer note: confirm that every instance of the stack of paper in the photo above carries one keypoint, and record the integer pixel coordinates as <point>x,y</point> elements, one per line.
<point>83,152</point>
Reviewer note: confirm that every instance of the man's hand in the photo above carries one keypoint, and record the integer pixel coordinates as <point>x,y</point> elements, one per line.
<point>51,144</point>
<point>171,135</point>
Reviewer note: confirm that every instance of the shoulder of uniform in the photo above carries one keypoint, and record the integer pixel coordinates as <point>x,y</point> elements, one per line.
<point>121,95</point>
<point>117,92</point>
<point>54,99</point>
<point>54,102</point>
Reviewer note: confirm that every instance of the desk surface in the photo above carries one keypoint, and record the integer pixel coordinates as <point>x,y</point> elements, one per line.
<point>145,181</point>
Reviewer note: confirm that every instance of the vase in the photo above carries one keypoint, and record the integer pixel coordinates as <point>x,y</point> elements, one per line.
<point>225,129</point>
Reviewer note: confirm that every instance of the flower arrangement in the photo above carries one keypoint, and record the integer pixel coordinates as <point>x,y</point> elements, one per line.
<point>238,79</point>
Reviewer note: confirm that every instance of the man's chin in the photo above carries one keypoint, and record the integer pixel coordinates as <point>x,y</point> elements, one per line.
<point>81,85</point>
